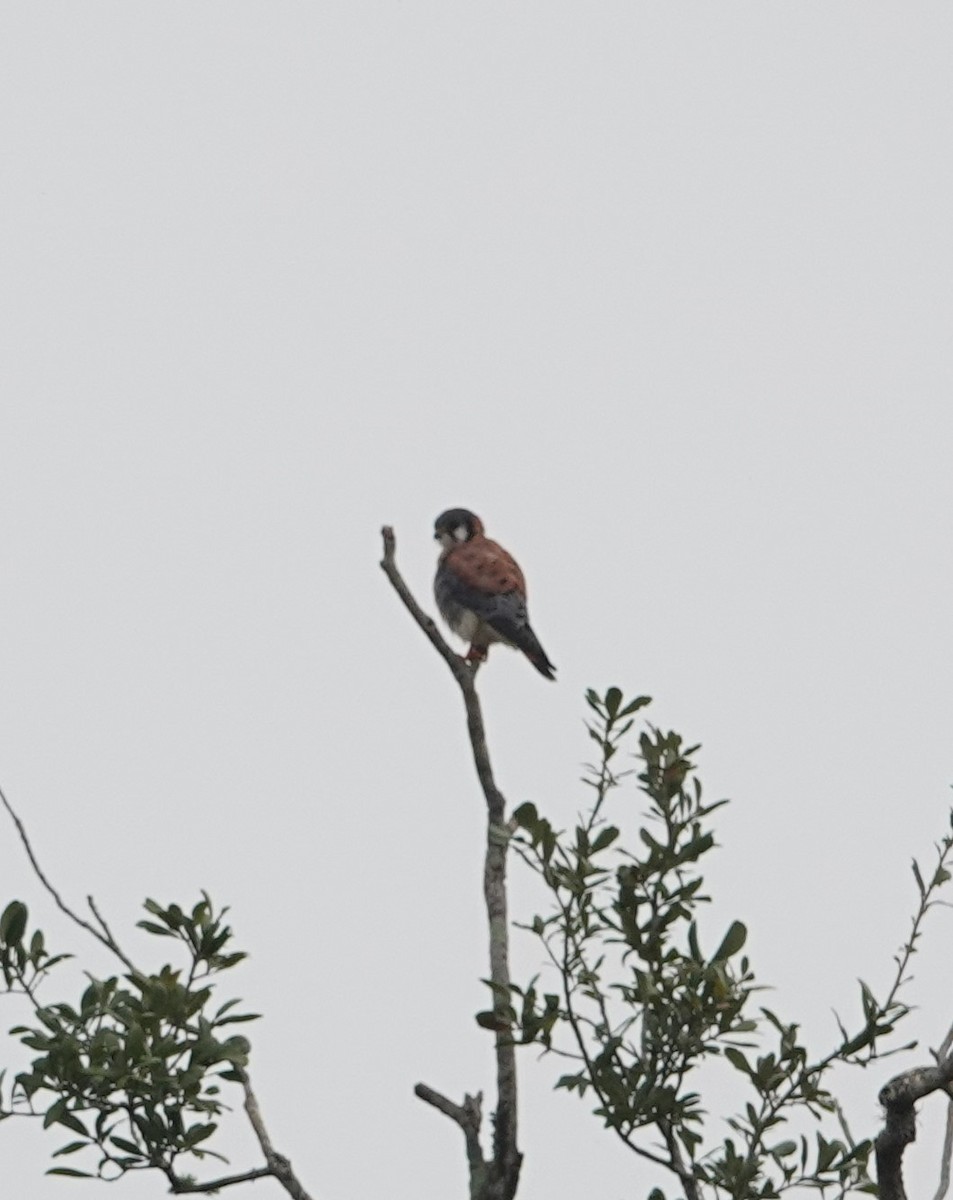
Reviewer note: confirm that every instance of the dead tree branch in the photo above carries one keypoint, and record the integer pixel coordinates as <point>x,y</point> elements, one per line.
<point>498,1178</point>
<point>899,1098</point>
<point>468,1116</point>
<point>278,1165</point>
<point>184,1187</point>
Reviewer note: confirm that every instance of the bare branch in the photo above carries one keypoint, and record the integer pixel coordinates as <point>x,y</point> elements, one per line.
<point>107,932</point>
<point>468,1116</point>
<point>103,936</point>
<point>944,1185</point>
<point>278,1165</point>
<point>500,1180</point>
<point>457,665</point>
<point>899,1097</point>
<point>183,1186</point>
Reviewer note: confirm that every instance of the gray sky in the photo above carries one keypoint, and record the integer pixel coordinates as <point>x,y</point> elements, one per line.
<point>663,291</point>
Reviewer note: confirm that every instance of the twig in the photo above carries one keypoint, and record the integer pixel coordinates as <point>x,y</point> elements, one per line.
<point>573,952</point>
<point>182,1186</point>
<point>278,1165</point>
<point>458,666</point>
<point>468,1115</point>
<point>104,936</point>
<point>499,1180</point>
<point>945,1047</point>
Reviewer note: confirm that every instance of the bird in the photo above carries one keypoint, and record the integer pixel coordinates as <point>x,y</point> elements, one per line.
<point>481,592</point>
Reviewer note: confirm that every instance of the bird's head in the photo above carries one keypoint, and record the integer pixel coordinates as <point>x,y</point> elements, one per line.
<point>456,525</point>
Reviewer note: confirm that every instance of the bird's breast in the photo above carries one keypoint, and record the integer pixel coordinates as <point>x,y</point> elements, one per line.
<point>462,620</point>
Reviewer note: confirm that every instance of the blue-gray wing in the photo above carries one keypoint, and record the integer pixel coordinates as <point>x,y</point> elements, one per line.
<point>504,612</point>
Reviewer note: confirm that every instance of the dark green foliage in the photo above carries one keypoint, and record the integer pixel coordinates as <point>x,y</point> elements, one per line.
<point>641,1006</point>
<point>132,1070</point>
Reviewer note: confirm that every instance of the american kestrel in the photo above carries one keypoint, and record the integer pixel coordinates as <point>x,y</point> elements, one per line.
<point>481,592</point>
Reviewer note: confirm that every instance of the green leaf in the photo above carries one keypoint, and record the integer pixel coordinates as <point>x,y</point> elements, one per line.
<point>36,1041</point>
<point>13,922</point>
<point>197,1000</point>
<point>73,1174</point>
<point>526,815</point>
<point>732,942</point>
<point>129,1147</point>
<point>572,1083</point>
<point>53,1113</point>
<point>236,1050</point>
<point>198,1133</point>
<point>738,1060</point>
<point>73,1123</point>
<point>223,961</point>
<point>36,947</point>
<point>491,1020</point>
<point>859,1042</point>
<point>604,839</point>
<point>158,930</point>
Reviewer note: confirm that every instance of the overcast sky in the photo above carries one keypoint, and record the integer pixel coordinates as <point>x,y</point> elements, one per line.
<point>662,291</point>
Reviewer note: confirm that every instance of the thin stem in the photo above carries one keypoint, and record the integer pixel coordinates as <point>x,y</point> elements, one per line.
<point>564,968</point>
<point>104,936</point>
<point>183,1186</point>
<point>944,1184</point>
<point>278,1165</point>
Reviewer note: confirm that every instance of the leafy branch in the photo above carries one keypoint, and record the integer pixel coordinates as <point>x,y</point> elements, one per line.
<point>641,1006</point>
<point>134,1069</point>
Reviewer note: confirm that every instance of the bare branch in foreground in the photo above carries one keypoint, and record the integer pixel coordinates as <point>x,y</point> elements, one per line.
<point>497,1179</point>
<point>898,1098</point>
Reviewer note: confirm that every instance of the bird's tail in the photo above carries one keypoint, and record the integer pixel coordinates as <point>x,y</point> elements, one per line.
<point>529,644</point>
